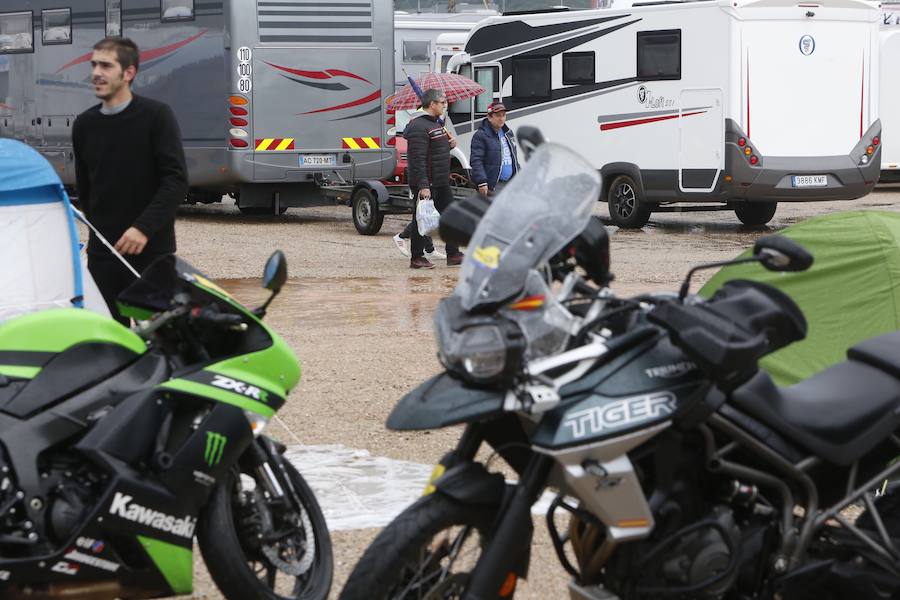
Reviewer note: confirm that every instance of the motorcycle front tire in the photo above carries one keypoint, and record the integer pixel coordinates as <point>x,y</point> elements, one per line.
<point>226,560</point>
<point>406,540</point>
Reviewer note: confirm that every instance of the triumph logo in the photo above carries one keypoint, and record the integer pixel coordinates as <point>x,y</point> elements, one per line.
<point>215,448</point>
<point>123,507</point>
<point>233,385</point>
<point>619,414</point>
<point>670,371</point>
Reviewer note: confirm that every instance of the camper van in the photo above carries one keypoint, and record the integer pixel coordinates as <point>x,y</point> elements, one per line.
<point>415,39</point>
<point>890,92</point>
<point>736,104</point>
<point>268,95</point>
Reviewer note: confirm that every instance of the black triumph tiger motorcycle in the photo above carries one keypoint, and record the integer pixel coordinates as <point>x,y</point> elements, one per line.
<point>682,471</point>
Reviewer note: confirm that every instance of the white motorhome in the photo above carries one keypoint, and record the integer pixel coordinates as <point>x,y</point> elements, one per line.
<point>890,92</point>
<point>445,46</point>
<point>415,36</point>
<point>743,103</point>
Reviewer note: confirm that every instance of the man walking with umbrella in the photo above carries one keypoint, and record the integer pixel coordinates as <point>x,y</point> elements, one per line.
<point>428,155</point>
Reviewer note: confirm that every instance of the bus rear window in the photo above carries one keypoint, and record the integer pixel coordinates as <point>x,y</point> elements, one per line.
<point>177,10</point>
<point>56,26</point>
<point>16,33</point>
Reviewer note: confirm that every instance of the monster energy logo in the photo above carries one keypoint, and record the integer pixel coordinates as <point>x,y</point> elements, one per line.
<point>215,447</point>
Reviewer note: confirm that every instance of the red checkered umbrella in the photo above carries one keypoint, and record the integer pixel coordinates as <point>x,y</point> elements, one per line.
<point>456,87</point>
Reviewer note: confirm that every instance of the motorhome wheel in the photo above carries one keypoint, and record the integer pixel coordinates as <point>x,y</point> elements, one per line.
<point>755,213</point>
<point>625,208</point>
<point>367,217</point>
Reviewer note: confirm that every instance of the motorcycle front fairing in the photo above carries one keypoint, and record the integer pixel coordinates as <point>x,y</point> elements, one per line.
<point>444,400</point>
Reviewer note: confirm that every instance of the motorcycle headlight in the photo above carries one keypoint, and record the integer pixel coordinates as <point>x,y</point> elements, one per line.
<point>482,352</point>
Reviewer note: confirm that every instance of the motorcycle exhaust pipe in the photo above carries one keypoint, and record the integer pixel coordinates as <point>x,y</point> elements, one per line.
<point>98,590</point>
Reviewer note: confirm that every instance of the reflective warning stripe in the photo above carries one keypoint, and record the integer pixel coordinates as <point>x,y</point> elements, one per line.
<point>362,143</point>
<point>275,144</point>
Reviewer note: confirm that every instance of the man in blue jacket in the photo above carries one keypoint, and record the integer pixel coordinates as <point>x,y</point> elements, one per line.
<point>493,152</point>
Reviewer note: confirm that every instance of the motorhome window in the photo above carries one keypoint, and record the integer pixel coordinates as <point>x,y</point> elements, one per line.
<point>578,68</point>
<point>416,51</point>
<point>113,18</point>
<point>462,106</point>
<point>56,26</point>
<point>659,54</point>
<point>176,10</point>
<point>531,78</point>
<point>15,32</point>
<point>489,79</point>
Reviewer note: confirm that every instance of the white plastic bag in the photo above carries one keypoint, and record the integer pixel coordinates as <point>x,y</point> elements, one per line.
<point>427,216</point>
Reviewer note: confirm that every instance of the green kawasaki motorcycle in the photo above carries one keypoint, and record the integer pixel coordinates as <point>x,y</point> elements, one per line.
<point>118,446</point>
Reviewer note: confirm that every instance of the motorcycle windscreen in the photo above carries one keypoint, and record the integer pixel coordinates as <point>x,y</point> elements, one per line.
<point>544,207</point>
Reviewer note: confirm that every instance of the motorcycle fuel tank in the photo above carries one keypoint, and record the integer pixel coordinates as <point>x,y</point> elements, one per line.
<point>48,355</point>
<point>642,387</point>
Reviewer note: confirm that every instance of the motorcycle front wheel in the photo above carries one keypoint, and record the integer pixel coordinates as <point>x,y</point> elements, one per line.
<point>257,547</point>
<point>428,551</point>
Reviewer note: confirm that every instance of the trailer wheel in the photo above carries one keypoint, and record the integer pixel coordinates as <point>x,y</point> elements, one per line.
<point>367,217</point>
<point>755,214</point>
<point>625,208</point>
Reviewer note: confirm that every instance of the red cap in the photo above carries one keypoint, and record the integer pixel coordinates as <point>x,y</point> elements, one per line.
<point>495,107</point>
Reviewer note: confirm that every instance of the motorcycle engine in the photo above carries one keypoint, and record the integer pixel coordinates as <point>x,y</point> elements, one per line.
<point>72,488</point>
<point>693,559</point>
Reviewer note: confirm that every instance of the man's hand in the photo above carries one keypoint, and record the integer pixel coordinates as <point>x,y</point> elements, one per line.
<point>483,189</point>
<point>451,138</point>
<point>424,193</point>
<point>131,242</point>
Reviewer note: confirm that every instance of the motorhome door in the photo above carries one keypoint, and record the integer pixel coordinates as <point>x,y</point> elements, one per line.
<point>702,134</point>
<point>487,75</point>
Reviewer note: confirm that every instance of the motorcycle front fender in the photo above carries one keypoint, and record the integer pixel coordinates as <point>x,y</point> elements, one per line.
<point>442,401</point>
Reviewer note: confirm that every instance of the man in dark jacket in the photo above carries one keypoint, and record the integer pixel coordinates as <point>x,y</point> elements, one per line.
<point>428,156</point>
<point>493,152</point>
<point>129,170</point>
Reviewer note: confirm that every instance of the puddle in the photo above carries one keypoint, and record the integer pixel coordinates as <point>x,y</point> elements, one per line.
<point>401,304</point>
<point>357,490</point>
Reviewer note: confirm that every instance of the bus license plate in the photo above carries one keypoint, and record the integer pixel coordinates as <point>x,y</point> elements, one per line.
<point>317,160</point>
<point>809,181</point>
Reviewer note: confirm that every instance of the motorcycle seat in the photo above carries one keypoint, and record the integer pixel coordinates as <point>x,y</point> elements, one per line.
<point>839,414</point>
<point>882,352</point>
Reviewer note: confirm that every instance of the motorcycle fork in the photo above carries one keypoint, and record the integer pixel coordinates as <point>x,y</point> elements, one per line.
<point>511,539</point>
<point>266,460</point>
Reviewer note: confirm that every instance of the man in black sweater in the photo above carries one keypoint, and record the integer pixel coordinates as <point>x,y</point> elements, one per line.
<point>428,156</point>
<point>129,168</point>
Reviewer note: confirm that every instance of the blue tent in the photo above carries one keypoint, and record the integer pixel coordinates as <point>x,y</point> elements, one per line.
<point>42,267</point>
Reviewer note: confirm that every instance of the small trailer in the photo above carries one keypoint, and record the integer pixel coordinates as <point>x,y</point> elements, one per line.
<point>371,199</point>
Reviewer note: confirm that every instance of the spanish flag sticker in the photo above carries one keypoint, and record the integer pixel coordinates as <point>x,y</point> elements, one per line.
<point>488,257</point>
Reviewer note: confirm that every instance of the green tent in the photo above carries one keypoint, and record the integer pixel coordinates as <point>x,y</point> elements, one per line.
<point>851,293</point>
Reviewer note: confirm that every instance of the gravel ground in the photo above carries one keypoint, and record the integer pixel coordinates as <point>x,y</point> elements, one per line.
<point>360,321</point>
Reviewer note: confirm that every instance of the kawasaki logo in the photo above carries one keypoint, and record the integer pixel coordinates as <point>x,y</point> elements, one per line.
<point>122,506</point>
<point>215,447</point>
<point>233,385</point>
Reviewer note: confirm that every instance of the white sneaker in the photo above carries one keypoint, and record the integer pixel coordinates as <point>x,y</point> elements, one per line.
<point>402,245</point>
<point>435,255</point>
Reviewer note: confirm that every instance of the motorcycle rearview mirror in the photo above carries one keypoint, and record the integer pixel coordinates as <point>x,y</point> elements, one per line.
<point>274,278</point>
<point>459,221</point>
<point>529,139</point>
<point>591,249</point>
<point>774,252</point>
<point>778,253</point>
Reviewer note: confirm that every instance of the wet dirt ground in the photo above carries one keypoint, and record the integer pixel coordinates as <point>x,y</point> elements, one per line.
<point>360,321</point>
